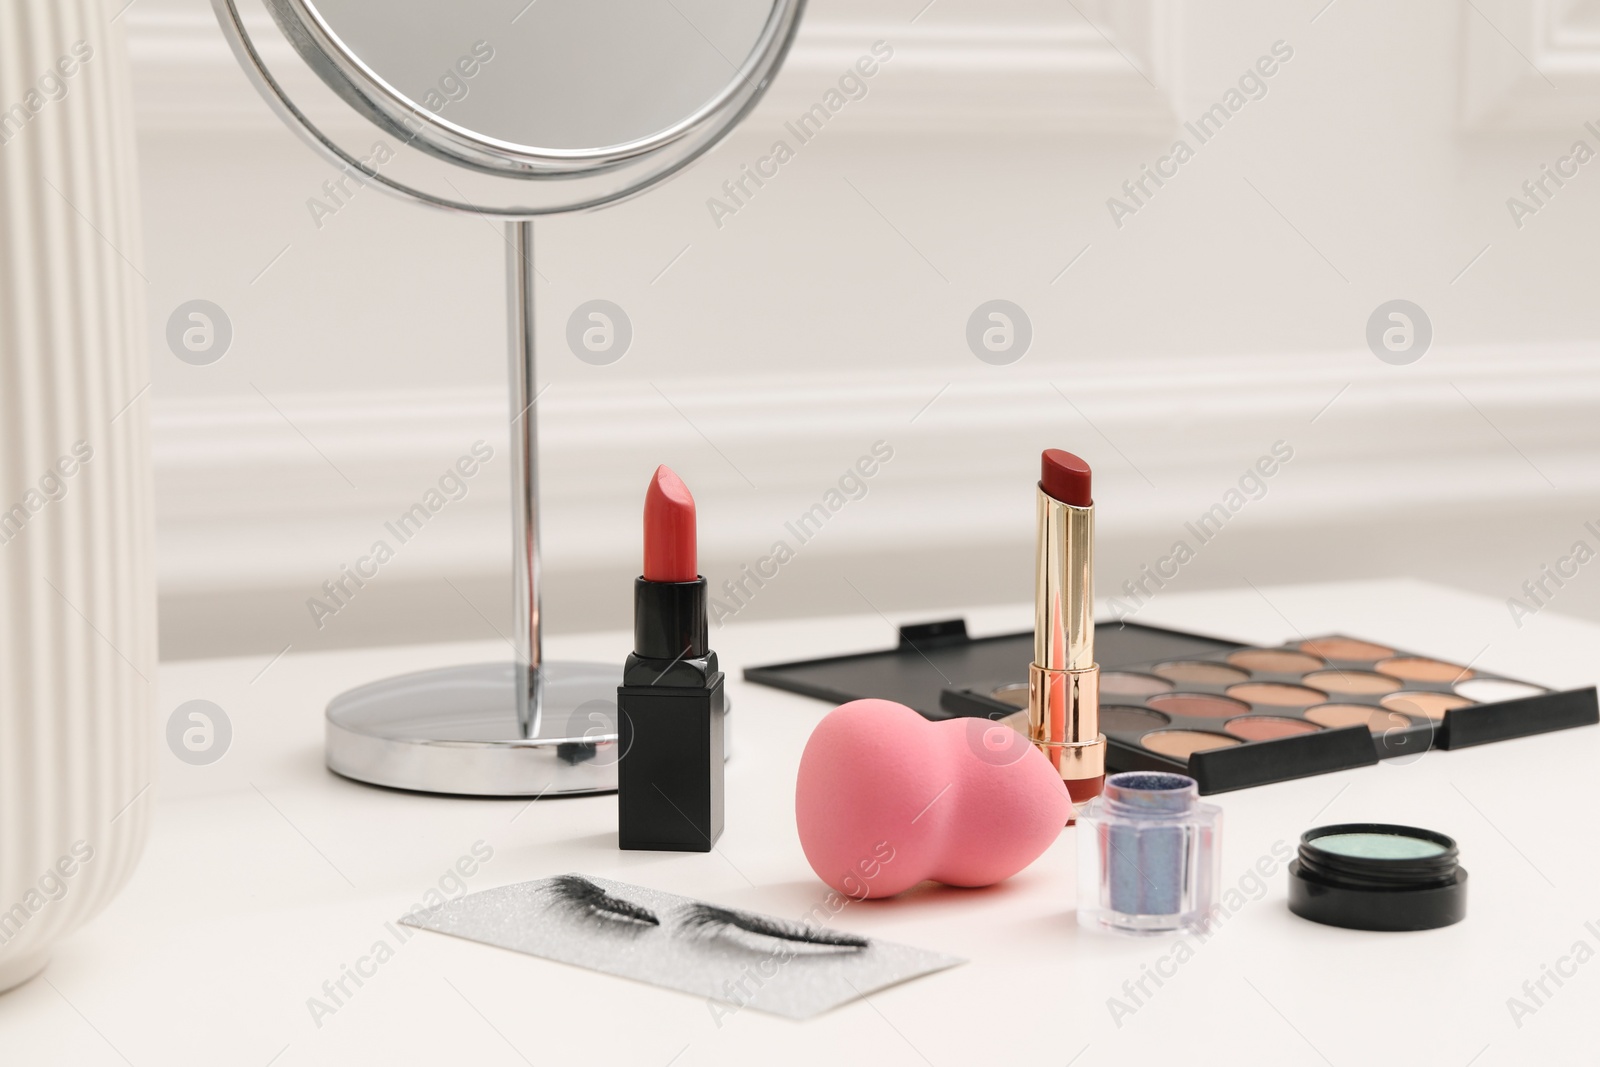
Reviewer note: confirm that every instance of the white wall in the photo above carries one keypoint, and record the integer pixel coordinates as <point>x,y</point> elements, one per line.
<point>772,351</point>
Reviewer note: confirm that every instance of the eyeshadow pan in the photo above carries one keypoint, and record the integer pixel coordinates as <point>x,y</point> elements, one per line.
<point>1378,846</point>
<point>1375,876</point>
<point>1131,720</point>
<point>1181,744</point>
<point>1269,727</point>
<point>1425,705</point>
<point>1347,683</point>
<point>1129,684</point>
<point>1275,660</point>
<point>1422,669</point>
<point>1378,720</point>
<point>1197,705</point>
<point>1277,695</point>
<point>1487,690</point>
<point>1202,672</point>
<point>1345,648</point>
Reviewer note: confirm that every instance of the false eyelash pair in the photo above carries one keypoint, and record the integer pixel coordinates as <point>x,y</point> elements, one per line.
<point>590,900</point>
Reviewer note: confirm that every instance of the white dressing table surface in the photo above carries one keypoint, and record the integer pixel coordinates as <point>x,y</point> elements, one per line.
<point>266,878</point>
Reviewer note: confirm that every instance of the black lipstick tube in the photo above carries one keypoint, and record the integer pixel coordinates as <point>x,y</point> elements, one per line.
<point>669,712</point>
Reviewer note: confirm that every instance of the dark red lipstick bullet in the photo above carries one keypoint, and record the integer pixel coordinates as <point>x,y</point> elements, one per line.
<point>1065,477</point>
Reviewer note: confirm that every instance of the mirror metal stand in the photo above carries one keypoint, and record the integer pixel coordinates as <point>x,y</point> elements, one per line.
<point>524,728</point>
<point>526,645</point>
<point>532,147</point>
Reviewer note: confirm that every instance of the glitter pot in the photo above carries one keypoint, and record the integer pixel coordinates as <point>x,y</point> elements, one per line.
<point>1374,876</point>
<point>1148,855</point>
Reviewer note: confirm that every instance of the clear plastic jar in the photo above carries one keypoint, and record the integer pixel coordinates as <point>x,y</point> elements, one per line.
<point>1148,855</point>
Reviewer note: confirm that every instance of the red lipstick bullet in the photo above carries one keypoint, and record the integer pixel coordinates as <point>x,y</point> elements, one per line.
<point>669,530</point>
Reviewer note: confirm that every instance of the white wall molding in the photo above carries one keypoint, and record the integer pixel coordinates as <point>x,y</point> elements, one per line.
<point>812,282</point>
<point>245,502</point>
<point>1530,65</point>
<point>1047,69</point>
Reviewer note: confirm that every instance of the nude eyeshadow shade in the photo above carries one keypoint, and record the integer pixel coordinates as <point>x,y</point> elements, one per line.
<point>1200,672</point>
<point>1128,684</point>
<point>1275,661</point>
<point>1378,720</point>
<point>1181,744</point>
<point>1345,648</point>
<point>1198,705</point>
<point>1424,704</point>
<point>1131,720</point>
<point>1348,683</point>
<point>1268,727</point>
<point>1277,695</point>
<point>1418,669</point>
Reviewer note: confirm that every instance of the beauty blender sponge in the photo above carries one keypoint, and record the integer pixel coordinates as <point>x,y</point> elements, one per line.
<point>886,799</point>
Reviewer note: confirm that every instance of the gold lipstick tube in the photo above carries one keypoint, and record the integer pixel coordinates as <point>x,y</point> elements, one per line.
<point>1064,681</point>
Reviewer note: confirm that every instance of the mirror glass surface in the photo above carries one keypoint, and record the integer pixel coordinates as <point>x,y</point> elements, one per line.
<point>553,74</point>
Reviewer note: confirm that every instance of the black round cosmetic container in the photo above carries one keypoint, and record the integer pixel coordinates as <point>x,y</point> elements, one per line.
<point>1374,876</point>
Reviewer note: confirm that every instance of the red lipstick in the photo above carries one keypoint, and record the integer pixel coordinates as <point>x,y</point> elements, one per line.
<point>1064,681</point>
<point>669,530</point>
<point>670,703</point>
<point>1064,476</point>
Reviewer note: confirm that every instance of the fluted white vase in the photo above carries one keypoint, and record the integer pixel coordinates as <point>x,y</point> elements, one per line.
<point>77,591</point>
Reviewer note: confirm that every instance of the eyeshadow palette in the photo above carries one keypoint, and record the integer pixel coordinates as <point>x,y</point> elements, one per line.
<point>1230,716</point>
<point>1249,716</point>
<point>934,657</point>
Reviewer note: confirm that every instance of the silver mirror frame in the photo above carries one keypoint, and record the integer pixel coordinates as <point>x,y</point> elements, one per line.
<point>385,103</point>
<point>529,727</point>
<point>585,179</point>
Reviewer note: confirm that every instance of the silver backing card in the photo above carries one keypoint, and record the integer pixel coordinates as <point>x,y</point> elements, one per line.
<point>725,964</point>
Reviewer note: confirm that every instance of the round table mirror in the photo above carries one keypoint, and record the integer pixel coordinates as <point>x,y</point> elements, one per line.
<point>511,109</point>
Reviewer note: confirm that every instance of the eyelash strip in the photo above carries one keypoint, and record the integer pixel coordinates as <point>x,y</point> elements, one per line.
<point>711,917</point>
<point>582,893</point>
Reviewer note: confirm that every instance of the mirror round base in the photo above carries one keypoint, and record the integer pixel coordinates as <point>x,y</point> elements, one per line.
<point>461,730</point>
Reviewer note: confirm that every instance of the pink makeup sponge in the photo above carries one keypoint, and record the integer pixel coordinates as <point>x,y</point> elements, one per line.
<point>886,799</point>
